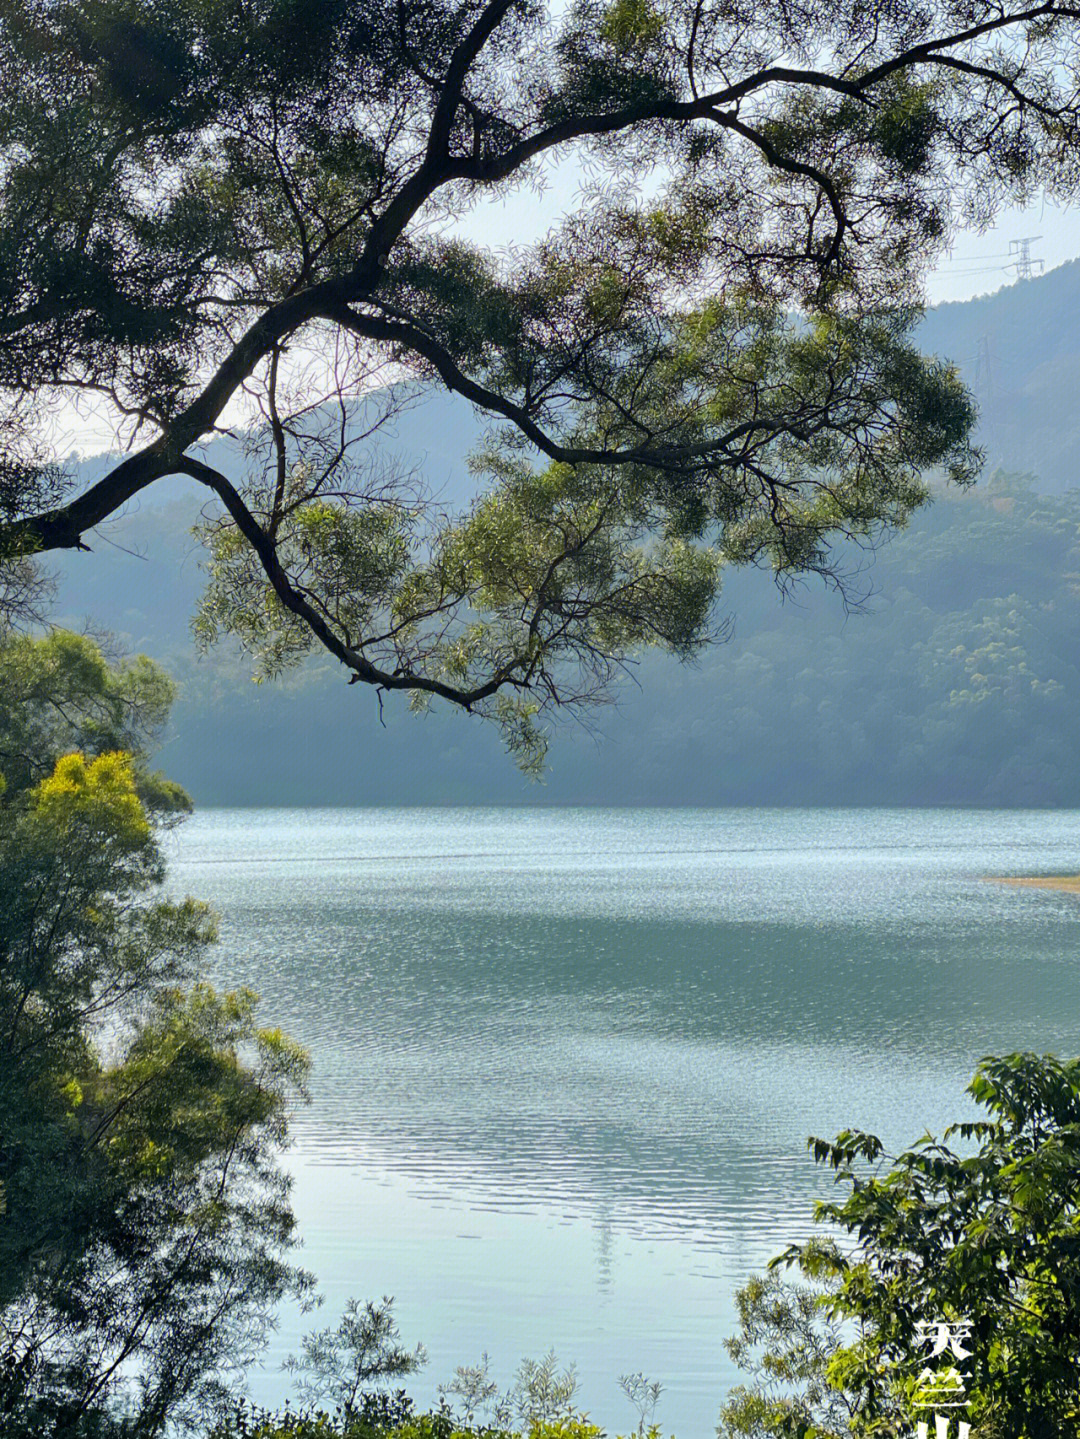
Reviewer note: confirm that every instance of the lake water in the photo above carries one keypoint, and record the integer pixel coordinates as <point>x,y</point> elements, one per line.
<point>566,1061</point>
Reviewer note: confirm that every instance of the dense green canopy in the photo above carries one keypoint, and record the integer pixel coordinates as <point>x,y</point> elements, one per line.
<point>144,1221</point>
<point>202,202</point>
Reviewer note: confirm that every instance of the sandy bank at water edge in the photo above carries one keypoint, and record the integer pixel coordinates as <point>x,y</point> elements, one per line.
<point>1070,882</point>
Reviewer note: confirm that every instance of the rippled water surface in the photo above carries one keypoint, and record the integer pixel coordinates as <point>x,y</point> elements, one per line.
<point>566,1061</point>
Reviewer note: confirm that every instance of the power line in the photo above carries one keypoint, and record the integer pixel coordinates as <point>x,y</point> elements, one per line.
<point>973,259</point>
<point>985,392</point>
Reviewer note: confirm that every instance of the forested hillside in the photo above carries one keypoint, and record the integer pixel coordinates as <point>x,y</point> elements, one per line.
<point>957,682</point>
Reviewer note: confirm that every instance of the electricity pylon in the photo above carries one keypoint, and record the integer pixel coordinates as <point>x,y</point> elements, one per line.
<point>1024,264</point>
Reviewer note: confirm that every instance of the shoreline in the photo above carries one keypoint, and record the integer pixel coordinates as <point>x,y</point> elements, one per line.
<point>1070,883</point>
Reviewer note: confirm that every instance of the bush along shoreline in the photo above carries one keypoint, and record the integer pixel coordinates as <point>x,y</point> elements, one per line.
<point>540,1404</point>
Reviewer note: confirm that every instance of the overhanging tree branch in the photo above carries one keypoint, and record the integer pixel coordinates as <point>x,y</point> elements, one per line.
<point>724,355</point>
<point>291,598</point>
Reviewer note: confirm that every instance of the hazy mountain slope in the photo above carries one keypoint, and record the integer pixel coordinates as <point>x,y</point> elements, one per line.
<point>1019,351</point>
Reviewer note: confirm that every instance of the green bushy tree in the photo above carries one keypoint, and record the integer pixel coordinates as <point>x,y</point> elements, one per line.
<point>145,1221</point>
<point>787,1339</point>
<point>340,1364</point>
<point>988,1231</point>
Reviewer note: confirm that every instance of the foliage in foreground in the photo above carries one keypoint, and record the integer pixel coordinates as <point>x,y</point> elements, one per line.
<point>340,1364</point>
<point>786,1341</point>
<point>383,1418</point>
<point>144,1221</point>
<point>988,1231</point>
<point>437,1425</point>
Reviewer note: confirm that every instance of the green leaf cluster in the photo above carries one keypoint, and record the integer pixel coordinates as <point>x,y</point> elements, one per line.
<point>437,1425</point>
<point>339,1364</point>
<point>537,595</point>
<point>786,1342</point>
<point>982,1224</point>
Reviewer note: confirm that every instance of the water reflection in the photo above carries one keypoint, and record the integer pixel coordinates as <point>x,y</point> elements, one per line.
<point>566,1062</point>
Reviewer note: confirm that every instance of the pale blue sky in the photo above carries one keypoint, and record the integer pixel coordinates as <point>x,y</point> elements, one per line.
<point>981,263</point>
<point>978,264</point>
